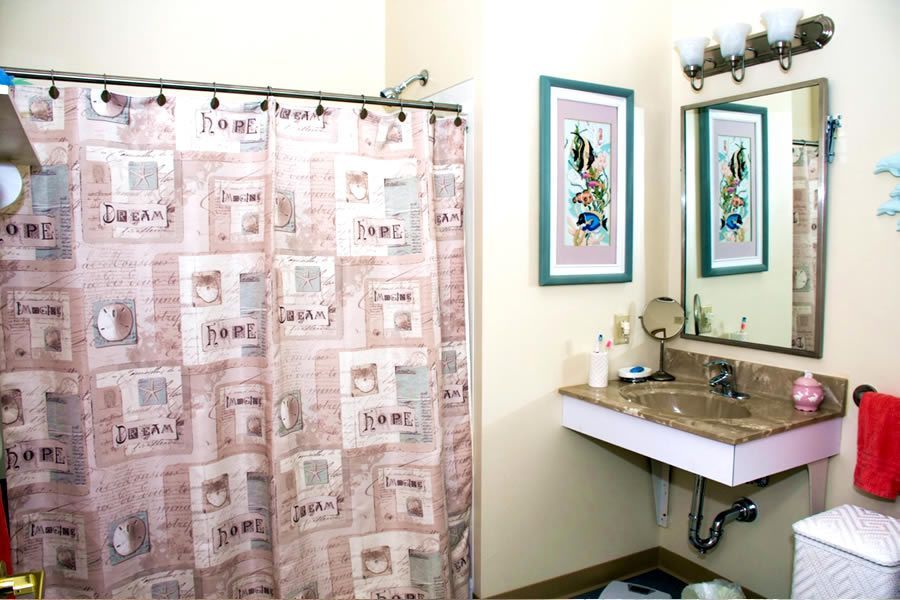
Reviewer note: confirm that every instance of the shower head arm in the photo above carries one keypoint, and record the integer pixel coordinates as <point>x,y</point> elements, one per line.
<point>394,92</point>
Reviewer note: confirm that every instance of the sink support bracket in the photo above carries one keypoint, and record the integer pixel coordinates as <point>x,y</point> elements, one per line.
<point>659,477</point>
<point>818,477</point>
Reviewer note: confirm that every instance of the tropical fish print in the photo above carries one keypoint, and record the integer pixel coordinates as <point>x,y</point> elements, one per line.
<point>587,182</point>
<point>733,158</point>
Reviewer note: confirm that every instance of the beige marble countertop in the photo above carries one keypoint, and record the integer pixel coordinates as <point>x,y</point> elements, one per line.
<point>768,414</point>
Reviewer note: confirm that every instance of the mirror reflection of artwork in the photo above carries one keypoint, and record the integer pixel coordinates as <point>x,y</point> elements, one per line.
<point>588,183</point>
<point>734,189</point>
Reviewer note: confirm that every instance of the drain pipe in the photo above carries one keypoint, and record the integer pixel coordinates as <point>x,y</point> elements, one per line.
<point>743,509</point>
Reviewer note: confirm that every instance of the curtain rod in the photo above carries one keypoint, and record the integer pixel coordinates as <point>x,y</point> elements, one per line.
<point>226,88</point>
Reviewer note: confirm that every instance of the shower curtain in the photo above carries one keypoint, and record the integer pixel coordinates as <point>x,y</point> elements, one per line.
<point>805,237</point>
<point>234,354</point>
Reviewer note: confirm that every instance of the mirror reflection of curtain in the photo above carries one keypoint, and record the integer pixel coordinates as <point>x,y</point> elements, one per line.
<point>234,351</point>
<point>806,195</point>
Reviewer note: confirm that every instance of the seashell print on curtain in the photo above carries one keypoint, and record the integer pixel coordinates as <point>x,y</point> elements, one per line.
<point>234,359</point>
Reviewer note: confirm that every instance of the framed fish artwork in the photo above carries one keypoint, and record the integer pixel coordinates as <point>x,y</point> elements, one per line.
<point>734,207</point>
<point>587,167</point>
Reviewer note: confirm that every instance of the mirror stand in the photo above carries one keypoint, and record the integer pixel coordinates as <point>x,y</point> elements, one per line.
<point>663,319</point>
<point>662,374</point>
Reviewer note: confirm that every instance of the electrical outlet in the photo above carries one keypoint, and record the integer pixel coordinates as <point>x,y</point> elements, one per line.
<point>621,329</point>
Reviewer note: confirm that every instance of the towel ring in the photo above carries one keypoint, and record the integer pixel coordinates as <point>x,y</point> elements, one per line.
<point>860,390</point>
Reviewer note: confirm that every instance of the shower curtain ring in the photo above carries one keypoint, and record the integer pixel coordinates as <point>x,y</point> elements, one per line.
<point>104,95</point>
<point>458,120</point>
<point>320,110</point>
<point>363,112</point>
<point>401,115</point>
<point>432,118</point>
<point>161,99</point>
<point>54,91</point>
<point>214,103</point>
<point>264,105</point>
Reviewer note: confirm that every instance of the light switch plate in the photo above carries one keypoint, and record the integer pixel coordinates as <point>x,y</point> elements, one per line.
<point>620,336</point>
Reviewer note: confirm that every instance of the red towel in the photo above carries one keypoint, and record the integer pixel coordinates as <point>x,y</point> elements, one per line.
<point>878,445</point>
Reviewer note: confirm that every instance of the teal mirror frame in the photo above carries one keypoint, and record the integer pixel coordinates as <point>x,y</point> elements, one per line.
<point>547,196</point>
<point>816,351</point>
<point>706,242</point>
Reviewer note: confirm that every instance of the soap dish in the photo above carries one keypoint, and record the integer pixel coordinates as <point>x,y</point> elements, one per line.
<point>637,374</point>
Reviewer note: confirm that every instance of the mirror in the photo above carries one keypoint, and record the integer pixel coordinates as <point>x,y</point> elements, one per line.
<point>753,196</point>
<point>663,319</point>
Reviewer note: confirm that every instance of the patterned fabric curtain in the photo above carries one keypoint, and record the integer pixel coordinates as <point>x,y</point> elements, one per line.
<point>805,238</point>
<point>234,352</point>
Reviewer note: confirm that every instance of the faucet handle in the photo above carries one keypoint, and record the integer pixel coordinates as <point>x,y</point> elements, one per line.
<point>719,362</point>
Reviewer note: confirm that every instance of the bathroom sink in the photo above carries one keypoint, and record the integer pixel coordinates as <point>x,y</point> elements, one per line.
<point>686,400</point>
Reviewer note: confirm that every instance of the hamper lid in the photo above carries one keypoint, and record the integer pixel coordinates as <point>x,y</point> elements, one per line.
<point>864,533</point>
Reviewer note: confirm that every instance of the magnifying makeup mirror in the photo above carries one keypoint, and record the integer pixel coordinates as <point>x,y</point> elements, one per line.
<point>663,319</point>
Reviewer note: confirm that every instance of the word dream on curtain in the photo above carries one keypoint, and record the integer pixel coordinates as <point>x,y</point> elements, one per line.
<point>233,352</point>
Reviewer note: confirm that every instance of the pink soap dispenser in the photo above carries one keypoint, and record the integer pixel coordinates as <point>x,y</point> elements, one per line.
<point>807,393</point>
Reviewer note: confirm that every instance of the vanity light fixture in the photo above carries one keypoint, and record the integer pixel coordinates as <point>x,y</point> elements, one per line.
<point>782,28</point>
<point>786,37</point>
<point>732,38</point>
<point>690,51</point>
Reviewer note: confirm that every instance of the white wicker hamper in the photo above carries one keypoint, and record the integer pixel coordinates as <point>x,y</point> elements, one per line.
<point>847,552</point>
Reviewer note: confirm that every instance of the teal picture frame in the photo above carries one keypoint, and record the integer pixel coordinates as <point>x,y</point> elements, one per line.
<point>709,119</point>
<point>583,99</point>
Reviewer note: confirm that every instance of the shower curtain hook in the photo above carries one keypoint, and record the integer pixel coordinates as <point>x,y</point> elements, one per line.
<point>264,105</point>
<point>458,120</point>
<point>161,99</point>
<point>54,91</point>
<point>402,115</point>
<point>104,95</point>
<point>214,103</point>
<point>432,118</point>
<point>320,110</point>
<point>363,112</point>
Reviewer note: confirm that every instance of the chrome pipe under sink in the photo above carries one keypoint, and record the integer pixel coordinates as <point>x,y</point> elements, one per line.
<point>743,509</point>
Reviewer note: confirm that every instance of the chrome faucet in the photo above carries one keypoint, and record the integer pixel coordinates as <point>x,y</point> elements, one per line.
<point>723,382</point>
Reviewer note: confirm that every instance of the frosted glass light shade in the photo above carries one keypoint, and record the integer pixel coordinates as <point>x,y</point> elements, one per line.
<point>690,50</point>
<point>781,24</point>
<point>10,184</point>
<point>732,38</point>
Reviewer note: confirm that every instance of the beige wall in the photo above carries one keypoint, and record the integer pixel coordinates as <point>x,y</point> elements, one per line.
<point>863,277</point>
<point>552,501</point>
<point>335,46</point>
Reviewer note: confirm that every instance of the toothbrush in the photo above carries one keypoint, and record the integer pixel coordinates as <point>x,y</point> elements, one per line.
<point>608,345</point>
<point>599,343</point>
<point>743,324</point>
